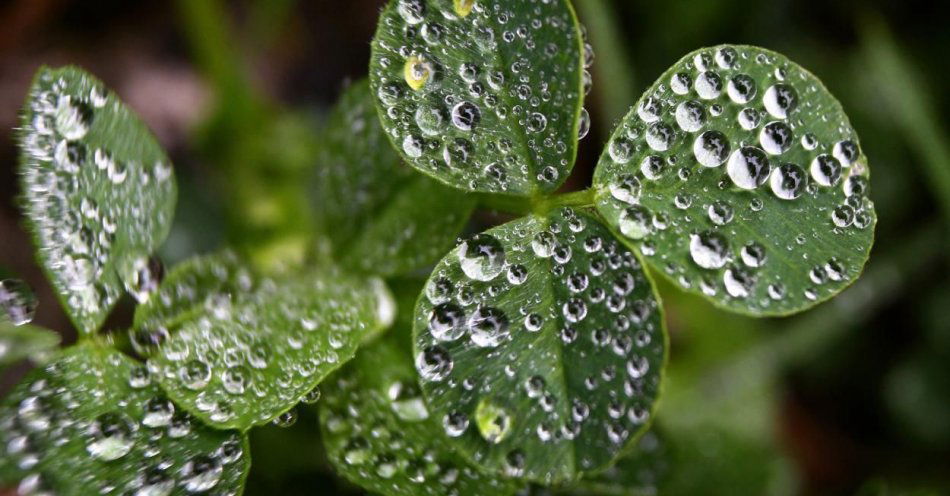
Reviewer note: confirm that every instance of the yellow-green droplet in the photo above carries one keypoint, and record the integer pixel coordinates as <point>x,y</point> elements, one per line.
<point>463,7</point>
<point>417,72</point>
<point>494,423</point>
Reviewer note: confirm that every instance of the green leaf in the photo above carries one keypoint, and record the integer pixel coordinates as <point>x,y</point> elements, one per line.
<point>191,288</point>
<point>248,357</point>
<point>381,216</point>
<point>483,96</point>
<point>98,191</point>
<point>379,435</point>
<point>24,341</point>
<point>541,344</point>
<point>642,472</point>
<point>92,423</point>
<point>739,177</point>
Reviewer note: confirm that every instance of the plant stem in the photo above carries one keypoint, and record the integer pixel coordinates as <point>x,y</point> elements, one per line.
<point>615,83</point>
<point>504,203</point>
<point>539,205</point>
<point>912,107</point>
<point>583,198</point>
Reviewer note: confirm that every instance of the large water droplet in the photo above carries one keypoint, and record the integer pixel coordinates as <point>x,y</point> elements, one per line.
<point>447,322</point>
<point>709,249</point>
<point>434,363</point>
<point>482,258</point>
<point>748,167</point>
<point>779,100</point>
<point>488,327</point>
<point>493,421</point>
<point>788,181</point>
<point>17,301</point>
<point>711,148</point>
<point>110,436</point>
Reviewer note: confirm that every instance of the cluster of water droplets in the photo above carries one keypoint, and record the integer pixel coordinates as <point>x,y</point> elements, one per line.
<point>259,345</point>
<point>17,308</point>
<point>98,190</point>
<point>17,302</point>
<point>737,137</point>
<point>105,427</point>
<point>483,94</point>
<point>381,435</point>
<point>539,337</point>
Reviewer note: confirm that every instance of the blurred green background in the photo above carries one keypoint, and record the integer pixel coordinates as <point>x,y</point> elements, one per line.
<point>851,397</point>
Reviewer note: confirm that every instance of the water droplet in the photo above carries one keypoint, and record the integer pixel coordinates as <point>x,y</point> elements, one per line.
<point>195,374</point>
<point>493,422</point>
<point>583,125</point>
<point>856,186</point>
<point>659,136</point>
<point>455,423</point>
<point>680,83</point>
<point>620,150</point>
<point>73,118</point>
<point>447,322</point>
<point>825,170</point>
<point>690,116</point>
<point>110,436</point>
<point>430,120</point>
<point>17,301</point>
<point>635,222</point>
<point>788,181</point>
<point>779,100</point>
<point>434,363</point>
<point>465,116</point>
<point>417,71</point>
<point>406,401</point>
<point>488,327</point>
<point>708,85</point>
<point>626,188</point>
<point>709,249</point>
<point>776,138</point>
<point>651,167</point>
<point>201,473</point>
<point>842,215</point>
<point>720,213</point>
<point>711,148</point>
<point>738,282</point>
<point>846,152</point>
<point>463,7</point>
<point>482,258</point>
<point>749,118</point>
<point>748,167</point>
<point>741,88</point>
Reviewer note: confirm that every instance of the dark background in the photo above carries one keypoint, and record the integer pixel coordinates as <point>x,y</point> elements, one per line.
<point>852,396</point>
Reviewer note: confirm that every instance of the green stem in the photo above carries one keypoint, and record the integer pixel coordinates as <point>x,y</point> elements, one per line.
<point>614,81</point>
<point>912,107</point>
<point>540,205</point>
<point>504,203</point>
<point>208,31</point>
<point>583,198</point>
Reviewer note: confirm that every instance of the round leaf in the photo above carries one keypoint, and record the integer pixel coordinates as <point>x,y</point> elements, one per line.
<point>484,96</point>
<point>382,217</point>
<point>540,346</point>
<point>379,435</point>
<point>247,358</point>
<point>739,176</point>
<point>91,422</point>
<point>642,471</point>
<point>98,191</point>
<point>191,288</point>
